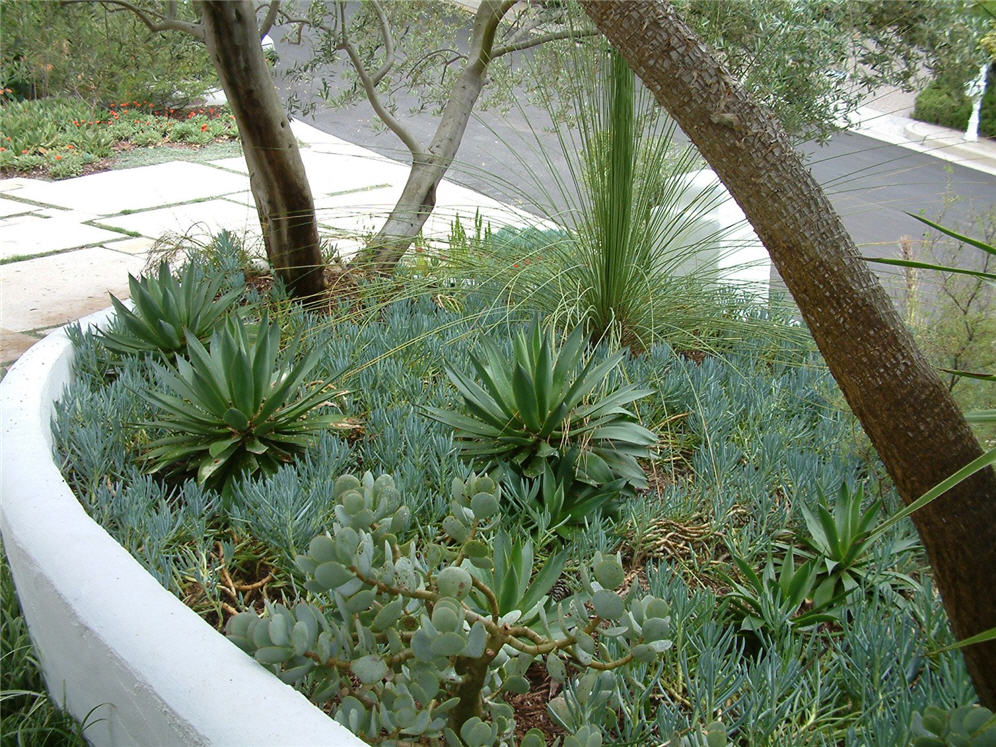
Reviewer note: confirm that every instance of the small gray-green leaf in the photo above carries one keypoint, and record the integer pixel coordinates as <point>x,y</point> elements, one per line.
<point>475,641</point>
<point>608,605</point>
<point>448,644</point>
<point>369,669</point>
<point>272,655</point>
<point>389,614</point>
<point>556,668</point>
<point>332,575</point>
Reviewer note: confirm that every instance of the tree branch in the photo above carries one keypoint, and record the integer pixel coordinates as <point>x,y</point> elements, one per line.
<point>269,19</point>
<point>369,87</point>
<point>154,21</point>
<point>535,41</point>
<point>388,36</point>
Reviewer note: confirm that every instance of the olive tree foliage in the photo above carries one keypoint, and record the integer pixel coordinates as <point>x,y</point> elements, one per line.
<point>809,61</point>
<point>812,62</point>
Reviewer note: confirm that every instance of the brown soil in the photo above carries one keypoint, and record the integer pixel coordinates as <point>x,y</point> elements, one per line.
<point>530,707</point>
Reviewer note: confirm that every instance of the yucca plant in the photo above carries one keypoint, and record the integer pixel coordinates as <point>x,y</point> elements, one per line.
<point>166,310</point>
<point>237,407</point>
<point>839,543</point>
<point>529,412</point>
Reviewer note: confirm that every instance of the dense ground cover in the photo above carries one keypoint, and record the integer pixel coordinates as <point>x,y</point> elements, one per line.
<point>784,626</point>
<point>65,137</point>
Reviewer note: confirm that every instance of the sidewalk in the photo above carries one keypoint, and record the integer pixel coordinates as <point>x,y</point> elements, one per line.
<point>940,142</point>
<point>65,245</point>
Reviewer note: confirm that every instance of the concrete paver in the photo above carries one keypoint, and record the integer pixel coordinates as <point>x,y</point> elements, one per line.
<point>141,188</point>
<point>12,344</point>
<point>53,290</point>
<point>13,207</point>
<point>198,220</point>
<point>32,234</point>
<point>138,246</point>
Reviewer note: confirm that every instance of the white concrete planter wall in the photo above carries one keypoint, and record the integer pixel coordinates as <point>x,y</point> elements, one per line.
<point>111,641</point>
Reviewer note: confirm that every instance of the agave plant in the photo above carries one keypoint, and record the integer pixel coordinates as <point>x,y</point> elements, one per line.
<point>555,502</point>
<point>166,310</point>
<point>839,542</point>
<point>532,410</point>
<point>237,407</point>
<point>772,601</point>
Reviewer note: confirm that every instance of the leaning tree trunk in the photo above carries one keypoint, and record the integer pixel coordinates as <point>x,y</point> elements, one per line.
<point>909,415</point>
<point>430,166</point>
<point>276,172</point>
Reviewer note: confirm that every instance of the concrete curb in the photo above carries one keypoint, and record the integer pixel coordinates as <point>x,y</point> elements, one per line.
<point>117,650</point>
<point>938,142</point>
<point>982,151</point>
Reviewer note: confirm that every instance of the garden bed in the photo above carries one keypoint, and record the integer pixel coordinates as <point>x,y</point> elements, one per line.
<point>749,435</point>
<point>122,654</point>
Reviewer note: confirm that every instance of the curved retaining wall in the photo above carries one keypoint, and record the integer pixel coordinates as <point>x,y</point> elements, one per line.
<point>111,641</point>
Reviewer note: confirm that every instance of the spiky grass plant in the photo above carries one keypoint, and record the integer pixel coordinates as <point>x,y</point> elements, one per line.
<point>625,247</point>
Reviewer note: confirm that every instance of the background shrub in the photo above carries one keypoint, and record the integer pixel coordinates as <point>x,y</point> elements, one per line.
<point>97,54</point>
<point>943,105</point>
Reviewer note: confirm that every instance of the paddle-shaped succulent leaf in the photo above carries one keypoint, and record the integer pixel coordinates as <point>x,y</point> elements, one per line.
<point>238,406</point>
<point>970,725</point>
<point>419,644</point>
<point>543,405</point>
<point>166,310</point>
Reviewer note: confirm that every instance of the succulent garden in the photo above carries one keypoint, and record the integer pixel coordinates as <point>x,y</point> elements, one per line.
<point>669,546</point>
<point>558,484</point>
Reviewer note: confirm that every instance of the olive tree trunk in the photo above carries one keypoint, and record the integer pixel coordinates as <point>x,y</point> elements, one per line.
<point>276,172</point>
<point>903,406</point>
<point>429,166</point>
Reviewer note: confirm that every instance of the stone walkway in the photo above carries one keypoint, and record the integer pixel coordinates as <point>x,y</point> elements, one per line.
<point>65,245</point>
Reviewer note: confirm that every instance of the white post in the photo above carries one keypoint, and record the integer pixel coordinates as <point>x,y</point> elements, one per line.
<point>975,92</point>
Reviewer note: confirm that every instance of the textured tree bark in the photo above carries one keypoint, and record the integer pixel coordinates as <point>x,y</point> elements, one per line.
<point>429,167</point>
<point>903,406</point>
<point>276,172</point>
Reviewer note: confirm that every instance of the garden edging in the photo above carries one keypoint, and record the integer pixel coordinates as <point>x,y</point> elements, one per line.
<point>118,651</point>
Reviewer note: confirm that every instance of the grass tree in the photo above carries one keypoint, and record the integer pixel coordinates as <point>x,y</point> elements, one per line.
<point>915,425</point>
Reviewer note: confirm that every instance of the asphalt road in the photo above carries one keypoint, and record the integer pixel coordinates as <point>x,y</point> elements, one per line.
<point>511,157</point>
